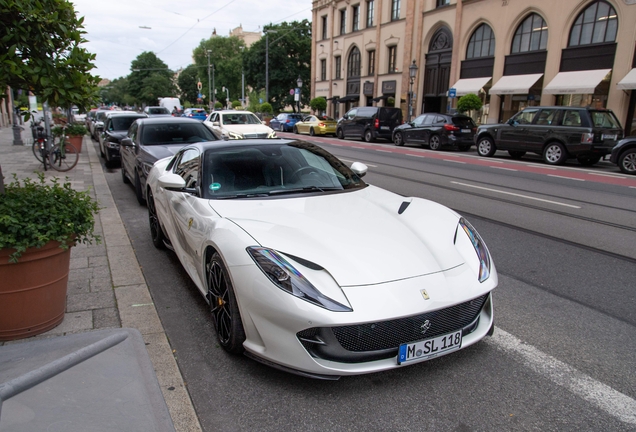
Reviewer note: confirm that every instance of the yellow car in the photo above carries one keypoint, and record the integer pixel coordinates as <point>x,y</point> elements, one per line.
<point>316,125</point>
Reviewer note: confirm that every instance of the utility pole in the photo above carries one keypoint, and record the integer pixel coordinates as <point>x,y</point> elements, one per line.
<point>267,32</point>
<point>209,88</point>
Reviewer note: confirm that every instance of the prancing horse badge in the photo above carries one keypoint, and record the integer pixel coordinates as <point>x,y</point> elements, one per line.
<point>424,294</point>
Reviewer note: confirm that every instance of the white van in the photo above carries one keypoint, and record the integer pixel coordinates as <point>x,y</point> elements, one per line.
<point>171,103</point>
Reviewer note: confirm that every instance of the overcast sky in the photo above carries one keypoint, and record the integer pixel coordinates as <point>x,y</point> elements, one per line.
<point>115,33</point>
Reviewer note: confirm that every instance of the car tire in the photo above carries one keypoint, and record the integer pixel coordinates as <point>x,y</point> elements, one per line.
<point>555,153</point>
<point>627,161</point>
<point>486,147</point>
<point>156,233</point>
<point>281,128</point>
<point>101,151</point>
<point>124,178</point>
<point>516,154</point>
<point>138,191</point>
<point>295,130</point>
<point>588,160</point>
<point>368,136</point>
<point>312,132</point>
<point>434,143</point>
<point>340,134</point>
<point>398,139</point>
<point>224,307</point>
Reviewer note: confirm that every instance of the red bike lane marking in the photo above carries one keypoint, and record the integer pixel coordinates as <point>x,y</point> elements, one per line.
<point>494,163</point>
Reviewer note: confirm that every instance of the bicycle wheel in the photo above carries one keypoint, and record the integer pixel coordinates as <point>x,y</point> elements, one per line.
<point>63,157</point>
<point>37,149</point>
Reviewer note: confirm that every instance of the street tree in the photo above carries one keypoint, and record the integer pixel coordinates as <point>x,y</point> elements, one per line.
<point>319,104</point>
<point>149,70</point>
<point>289,58</point>
<point>41,51</point>
<point>116,92</point>
<point>225,58</point>
<point>187,81</point>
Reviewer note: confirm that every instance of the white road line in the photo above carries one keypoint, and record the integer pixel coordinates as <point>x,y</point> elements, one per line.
<point>544,167</point>
<point>601,395</point>
<point>359,148</point>
<point>351,161</point>
<point>563,177</point>
<point>383,151</point>
<point>414,155</point>
<point>514,194</point>
<point>455,161</point>
<point>504,168</point>
<point>607,175</point>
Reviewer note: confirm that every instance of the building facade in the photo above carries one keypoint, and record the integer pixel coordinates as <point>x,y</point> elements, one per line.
<point>511,53</point>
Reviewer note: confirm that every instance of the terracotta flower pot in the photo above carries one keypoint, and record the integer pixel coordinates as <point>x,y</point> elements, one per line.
<point>76,140</point>
<point>33,291</point>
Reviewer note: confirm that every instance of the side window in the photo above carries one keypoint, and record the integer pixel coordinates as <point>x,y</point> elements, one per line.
<point>428,120</point>
<point>547,117</point>
<point>526,116</point>
<point>572,118</point>
<point>214,117</point>
<point>188,167</point>
<point>440,119</point>
<point>419,121</point>
<point>351,114</point>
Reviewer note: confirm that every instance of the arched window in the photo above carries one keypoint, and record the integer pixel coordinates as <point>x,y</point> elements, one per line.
<point>481,43</point>
<point>353,65</point>
<point>598,23</point>
<point>531,35</point>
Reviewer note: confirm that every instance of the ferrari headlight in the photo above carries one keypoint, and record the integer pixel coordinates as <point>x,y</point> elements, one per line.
<point>480,248</point>
<point>287,278</point>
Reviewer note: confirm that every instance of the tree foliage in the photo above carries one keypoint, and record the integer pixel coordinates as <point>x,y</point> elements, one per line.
<point>289,57</point>
<point>116,92</point>
<point>468,102</point>
<point>40,51</point>
<point>187,81</point>
<point>318,104</point>
<point>150,79</point>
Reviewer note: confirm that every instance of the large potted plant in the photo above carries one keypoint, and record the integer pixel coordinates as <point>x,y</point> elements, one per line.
<point>75,133</point>
<point>39,222</point>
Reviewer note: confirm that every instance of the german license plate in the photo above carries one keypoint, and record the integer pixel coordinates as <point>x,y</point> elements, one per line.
<point>384,127</point>
<point>609,137</point>
<point>465,131</point>
<point>430,348</point>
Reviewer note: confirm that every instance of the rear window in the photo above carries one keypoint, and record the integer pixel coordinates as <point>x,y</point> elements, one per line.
<point>176,133</point>
<point>121,123</point>
<point>391,114</point>
<point>158,111</point>
<point>604,119</point>
<point>464,122</point>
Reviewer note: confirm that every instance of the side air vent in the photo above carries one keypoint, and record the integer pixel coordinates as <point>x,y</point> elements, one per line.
<point>404,206</point>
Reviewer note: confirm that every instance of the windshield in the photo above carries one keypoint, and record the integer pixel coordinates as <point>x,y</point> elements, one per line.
<point>274,170</point>
<point>175,133</point>
<point>604,119</point>
<point>240,118</point>
<point>161,110</point>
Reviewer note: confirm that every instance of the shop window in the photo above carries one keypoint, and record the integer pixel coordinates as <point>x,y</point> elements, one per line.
<point>531,35</point>
<point>481,43</point>
<point>598,23</point>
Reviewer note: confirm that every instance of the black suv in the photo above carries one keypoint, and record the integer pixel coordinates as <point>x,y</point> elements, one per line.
<point>437,130</point>
<point>369,123</point>
<point>557,133</point>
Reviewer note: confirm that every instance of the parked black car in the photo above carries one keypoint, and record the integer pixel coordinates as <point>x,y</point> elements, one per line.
<point>369,123</point>
<point>624,155</point>
<point>437,131</point>
<point>557,133</point>
<point>115,128</point>
<point>285,122</point>
<point>154,138</point>
<point>157,111</point>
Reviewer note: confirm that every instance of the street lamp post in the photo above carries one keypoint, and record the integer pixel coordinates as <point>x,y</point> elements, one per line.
<point>299,81</point>
<point>209,86</point>
<point>227,99</point>
<point>267,32</point>
<point>412,73</point>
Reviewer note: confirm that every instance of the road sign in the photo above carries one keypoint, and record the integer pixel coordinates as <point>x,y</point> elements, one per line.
<point>452,92</point>
<point>199,85</point>
<point>199,95</point>
<point>291,92</point>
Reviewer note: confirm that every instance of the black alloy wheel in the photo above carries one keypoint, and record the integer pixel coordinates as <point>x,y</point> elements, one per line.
<point>138,191</point>
<point>516,154</point>
<point>485,147</point>
<point>340,133</point>
<point>627,161</point>
<point>368,136</point>
<point>156,233</point>
<point>295,130</point>
<point>398,139</point>
<point>224,308</point>
<point>434,142</point>
<point>312,132</point>
<point>555,153</point>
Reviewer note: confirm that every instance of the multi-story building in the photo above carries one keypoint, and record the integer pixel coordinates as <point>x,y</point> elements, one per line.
<point>512,53</point>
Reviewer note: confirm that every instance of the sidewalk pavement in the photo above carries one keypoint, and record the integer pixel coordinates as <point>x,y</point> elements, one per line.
<point>106,287</point>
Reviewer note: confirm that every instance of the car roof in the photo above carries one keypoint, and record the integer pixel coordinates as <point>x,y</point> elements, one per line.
<point>234,144</point>
<point>163,120</point>
<point>129,113</point>
<point>233,112</point>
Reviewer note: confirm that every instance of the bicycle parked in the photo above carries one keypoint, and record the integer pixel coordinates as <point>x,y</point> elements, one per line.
<point>61,156</point>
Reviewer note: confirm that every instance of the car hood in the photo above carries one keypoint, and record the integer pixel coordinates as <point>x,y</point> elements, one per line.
<point>358,237</point>
<point>155,152</point>
<point>248,128</point>
<point>118,135</point>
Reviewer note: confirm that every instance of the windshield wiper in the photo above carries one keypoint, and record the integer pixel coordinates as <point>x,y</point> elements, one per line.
<point>304,189</point>
<point>241,195</point>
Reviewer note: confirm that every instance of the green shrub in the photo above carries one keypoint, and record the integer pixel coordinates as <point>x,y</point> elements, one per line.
<point>468,102</point>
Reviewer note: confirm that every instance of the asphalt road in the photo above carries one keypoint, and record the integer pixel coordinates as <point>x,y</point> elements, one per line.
<point>562,356</point>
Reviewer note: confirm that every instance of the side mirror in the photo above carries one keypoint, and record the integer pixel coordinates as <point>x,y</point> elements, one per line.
<point>216,123</point>
<point>126,142</point>
<point>359,168</point>
<point>512,122</point>
<point>172,182</point>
